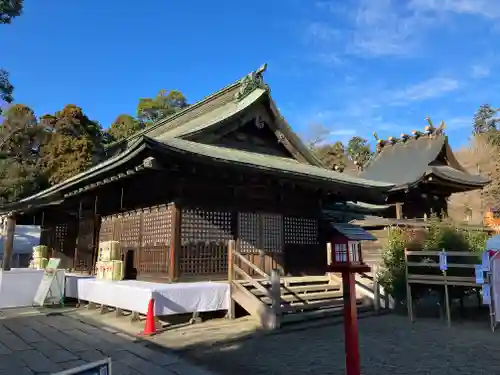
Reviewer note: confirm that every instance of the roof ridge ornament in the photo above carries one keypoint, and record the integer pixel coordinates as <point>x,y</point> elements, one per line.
<point>430,130</point>
<point>250,82</point>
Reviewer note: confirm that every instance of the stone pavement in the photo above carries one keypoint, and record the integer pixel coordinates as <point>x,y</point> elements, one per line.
<point>35,343</point>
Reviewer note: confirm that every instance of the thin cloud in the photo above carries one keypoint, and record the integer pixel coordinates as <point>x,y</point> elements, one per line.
<point>381,28</point>
<point>480,71</point>
<point>322,32</point>
<point>431,88</point>
<point>483,8</point>
<point>458,123</point>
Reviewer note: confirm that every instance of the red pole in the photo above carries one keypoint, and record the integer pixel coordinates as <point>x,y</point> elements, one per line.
<point>352,360</point>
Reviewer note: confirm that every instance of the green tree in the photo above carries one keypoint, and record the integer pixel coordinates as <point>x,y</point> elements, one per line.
<point>20,140</point>
<point>124,126</point>
<point>8,10</point>
<point>358,151</point>
<point>485,119</point>
<point>73,145</point>
<point>150,110</point>
<point>6,88</point>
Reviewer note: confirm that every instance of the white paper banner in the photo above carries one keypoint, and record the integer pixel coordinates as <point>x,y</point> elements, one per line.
<point>486,261</point>
<point>486,294</point>
<point>443,261</point>
<point>479,273</point>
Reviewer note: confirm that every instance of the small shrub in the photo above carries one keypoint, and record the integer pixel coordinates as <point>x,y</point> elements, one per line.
<point>440,235</point>
<point>392,273</point>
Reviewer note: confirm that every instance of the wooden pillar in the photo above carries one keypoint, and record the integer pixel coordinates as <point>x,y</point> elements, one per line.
<point>230,278</point>
<point>350,324</point>
<point>8,247</point>
<point>276,299</point>
<point>399,211</point>
<point>175,243</point>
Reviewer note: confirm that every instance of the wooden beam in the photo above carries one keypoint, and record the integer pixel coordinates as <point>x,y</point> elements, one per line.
<point>175,243</point>
<point>8,247</point>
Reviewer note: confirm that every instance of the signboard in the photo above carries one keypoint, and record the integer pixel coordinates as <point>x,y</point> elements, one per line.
<point>96,368</point>
<point>479,273</point>
<point>51,289</point>
<point>443,261</point>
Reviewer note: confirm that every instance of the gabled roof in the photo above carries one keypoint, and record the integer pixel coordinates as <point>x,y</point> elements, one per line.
<point>407,162</point>
<point>216,109</point>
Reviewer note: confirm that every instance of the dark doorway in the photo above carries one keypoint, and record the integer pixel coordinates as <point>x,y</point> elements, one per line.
<point>130,270</point>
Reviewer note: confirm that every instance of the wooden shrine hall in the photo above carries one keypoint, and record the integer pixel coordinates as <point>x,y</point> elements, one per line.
<point>424,171</point>
<point>227,167</point>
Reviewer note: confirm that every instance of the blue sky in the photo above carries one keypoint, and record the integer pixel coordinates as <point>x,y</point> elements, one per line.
<point>354,66</point>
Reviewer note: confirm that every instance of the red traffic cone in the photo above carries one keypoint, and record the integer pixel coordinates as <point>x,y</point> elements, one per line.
<point>150,326</point>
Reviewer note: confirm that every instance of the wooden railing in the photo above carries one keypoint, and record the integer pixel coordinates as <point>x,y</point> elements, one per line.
<point>469,261</point>
<point>273,297</point>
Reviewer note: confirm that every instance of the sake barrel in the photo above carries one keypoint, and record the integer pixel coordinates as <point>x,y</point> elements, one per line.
<point>40,251</point>
<point>117,270</point>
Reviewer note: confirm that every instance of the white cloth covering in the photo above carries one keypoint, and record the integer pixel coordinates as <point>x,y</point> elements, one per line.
<point>170,299</point>
<point>71,288</point>
<point>18,286</point>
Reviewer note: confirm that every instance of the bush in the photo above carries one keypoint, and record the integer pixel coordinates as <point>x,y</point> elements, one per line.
<point>392,272</point>
<point>440,235</point>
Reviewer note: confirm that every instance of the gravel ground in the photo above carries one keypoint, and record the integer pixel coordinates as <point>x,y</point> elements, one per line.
<point>389,345</point>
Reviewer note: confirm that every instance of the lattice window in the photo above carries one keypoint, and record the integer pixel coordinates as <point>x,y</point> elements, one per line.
<point>204,239</point>
<point>153,260</point>
<point>157,226</point>
<point>130,229</point>
<point>86,235</point>
<point>248,232</point>
<point>300,231</point>
<point>272,233</point>
<point>106,230</point>
<point>199,225</point>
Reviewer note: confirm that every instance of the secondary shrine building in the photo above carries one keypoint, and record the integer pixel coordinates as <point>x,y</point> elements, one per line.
<point>174,194</point>
<point>424,171</point>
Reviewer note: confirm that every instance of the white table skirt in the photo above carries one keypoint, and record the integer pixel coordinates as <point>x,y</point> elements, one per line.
<point>18,286</point>
<point>170,299</point>
<point>181,298</point>
<point>71,288</point>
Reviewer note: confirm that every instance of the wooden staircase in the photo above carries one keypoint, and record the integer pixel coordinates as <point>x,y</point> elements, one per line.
<point>275,300</point>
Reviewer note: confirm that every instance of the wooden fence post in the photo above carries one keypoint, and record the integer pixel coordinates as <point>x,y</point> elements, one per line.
<point>8,247</point>
<point>276,298</point>
<point>329,260</point>
<point>230,276</point>
<point>376,288</point>
<point>175,243</point>
<point>409,299</point>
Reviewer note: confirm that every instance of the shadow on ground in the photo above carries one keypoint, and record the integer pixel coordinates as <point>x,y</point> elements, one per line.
<point>389,345</point>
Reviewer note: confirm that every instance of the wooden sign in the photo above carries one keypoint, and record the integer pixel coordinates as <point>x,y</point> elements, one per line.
<point>50,290</point>
<point>102,367</point>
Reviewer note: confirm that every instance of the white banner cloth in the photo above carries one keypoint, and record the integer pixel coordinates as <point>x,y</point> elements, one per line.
<point>176,298</point>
